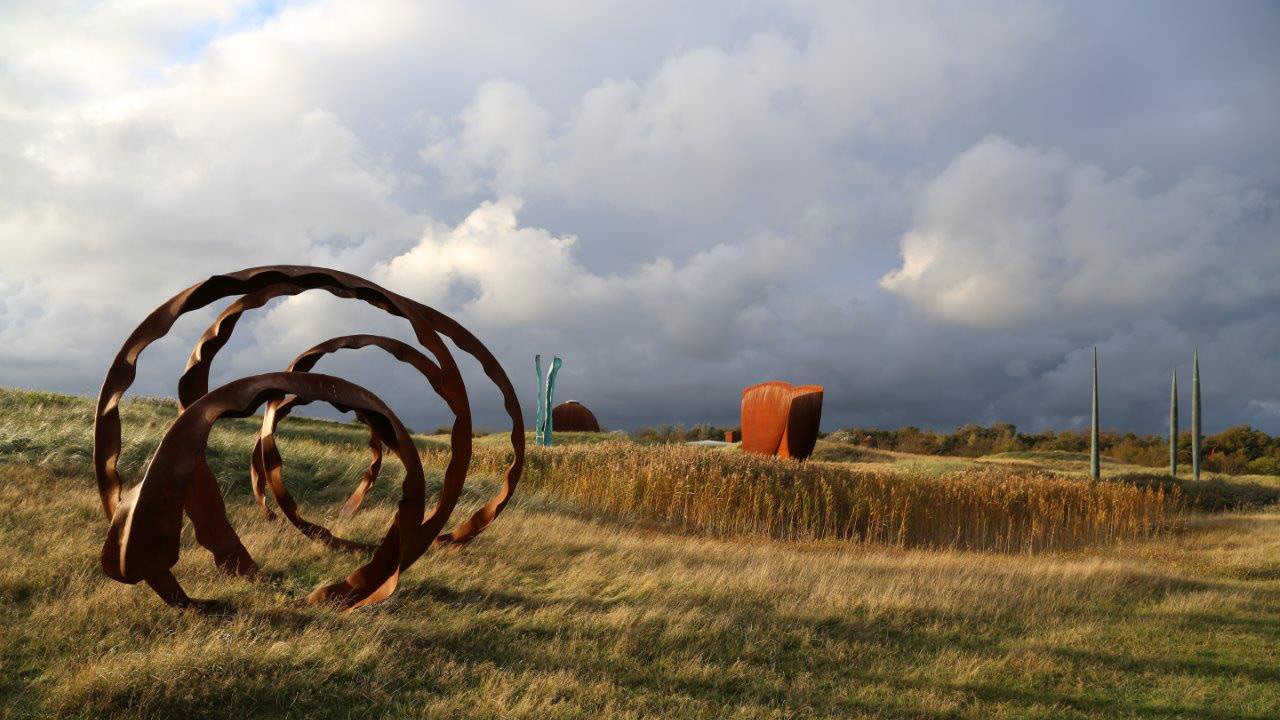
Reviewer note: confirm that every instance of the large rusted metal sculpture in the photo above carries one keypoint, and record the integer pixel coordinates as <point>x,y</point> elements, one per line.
<point>142,543</point>
<point>573,416</point>
<point>782,419</point>
<point>266,468</point>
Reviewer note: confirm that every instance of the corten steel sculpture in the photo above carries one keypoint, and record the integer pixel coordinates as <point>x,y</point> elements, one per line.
<point>194,382</point>
<point>782,419</point>
<point>573,416</point>
<point>266,467</point>
<point>146,526</point>
<point>542,432</point>
<point>145,523</point>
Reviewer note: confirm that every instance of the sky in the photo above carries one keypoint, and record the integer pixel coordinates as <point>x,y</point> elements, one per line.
<point>935,210</point>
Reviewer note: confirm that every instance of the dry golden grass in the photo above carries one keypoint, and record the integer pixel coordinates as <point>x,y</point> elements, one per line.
<point>550,616</point>
<point>700,490</point>
<point>565,611</point>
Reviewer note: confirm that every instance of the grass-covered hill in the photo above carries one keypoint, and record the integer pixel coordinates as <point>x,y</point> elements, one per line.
<point>1239,450</point>
<point>631,580</point>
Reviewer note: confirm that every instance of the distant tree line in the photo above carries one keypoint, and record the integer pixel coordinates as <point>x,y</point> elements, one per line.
<point>1236,450</point>
<point>679,433</point>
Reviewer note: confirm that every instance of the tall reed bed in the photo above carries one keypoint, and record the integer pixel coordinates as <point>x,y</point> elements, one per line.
<point>718,493</point>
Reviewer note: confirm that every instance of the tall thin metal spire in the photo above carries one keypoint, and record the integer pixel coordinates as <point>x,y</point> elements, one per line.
<point>1095,465</point>
<point>1173,427</point>
<point>1195,415</point>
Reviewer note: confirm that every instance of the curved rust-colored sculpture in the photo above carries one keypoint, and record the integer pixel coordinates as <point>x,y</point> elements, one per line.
<point>195,380</point>
<point>266,468</point>
<point>782,419</point>
<point>573,416</point>
<point>185,482</point>
<point>146,526</point>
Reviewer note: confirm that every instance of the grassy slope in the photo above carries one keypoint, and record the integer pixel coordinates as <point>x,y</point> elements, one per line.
<point>552,614</point>
<point>1078,464</point>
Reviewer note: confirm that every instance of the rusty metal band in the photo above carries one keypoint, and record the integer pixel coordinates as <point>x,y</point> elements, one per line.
<point>265,472</point>
<point>194,383</point>
<point>267,465</point>
<point>142,543</point>
<point>470,344</point>
<point>263,460</point>
<point>413,534</point>
<point>195,379</point>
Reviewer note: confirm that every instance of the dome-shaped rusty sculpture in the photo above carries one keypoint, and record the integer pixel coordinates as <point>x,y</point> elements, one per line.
<point>573,416</point>
<point>146,520</point>
<point>782,419</point>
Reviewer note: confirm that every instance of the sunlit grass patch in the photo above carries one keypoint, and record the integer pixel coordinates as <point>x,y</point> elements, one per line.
<point>607,590</point>
<point>694,489</point>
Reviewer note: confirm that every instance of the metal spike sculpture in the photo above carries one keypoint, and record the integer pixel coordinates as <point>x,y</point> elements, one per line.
<point>1195,415</point>
<point>1173,427</point>
<point>1095,465</point>
<point>543,431</point>
<point>146,521</point>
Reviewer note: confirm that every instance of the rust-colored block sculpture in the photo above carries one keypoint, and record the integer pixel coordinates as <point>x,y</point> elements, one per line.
<point>732,436</point>
<point>782,419</point>
<point>146,521</point>
<point>573,416</point>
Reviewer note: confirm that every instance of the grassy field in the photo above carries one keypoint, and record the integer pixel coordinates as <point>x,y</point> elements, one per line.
<point>578,604</point>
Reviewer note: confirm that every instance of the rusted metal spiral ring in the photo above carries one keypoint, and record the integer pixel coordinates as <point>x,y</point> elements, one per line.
<point>195,382</point>
<point>267,465</point>
<point>143,541</point>
<point>194,487</point>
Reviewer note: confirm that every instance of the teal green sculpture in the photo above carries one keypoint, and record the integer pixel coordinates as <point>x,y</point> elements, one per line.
<point>542,431</point>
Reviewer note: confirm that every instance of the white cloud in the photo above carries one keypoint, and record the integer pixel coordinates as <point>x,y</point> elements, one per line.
<point>499,275</point>
<point>209,168</point>
<point>503,134</point>
<point>1010,234</point>
<point>60,55</point>
<point>765,123</point>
